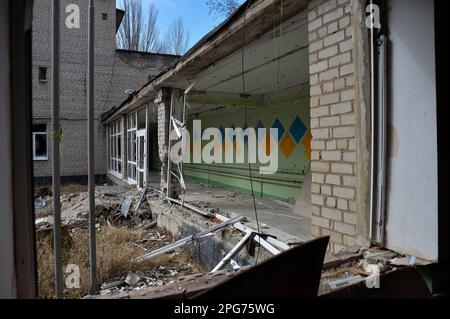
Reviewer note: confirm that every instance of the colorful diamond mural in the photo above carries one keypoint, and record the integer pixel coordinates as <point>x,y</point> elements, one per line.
<point>287,145</point>
<point>277,124</point>
<point>258,126</point>
<point>298,129</point>
<point>307,142</point>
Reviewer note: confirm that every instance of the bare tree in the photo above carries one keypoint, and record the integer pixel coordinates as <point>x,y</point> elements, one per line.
<point>223,8</point>
<point>176,40</point>
<point>138,32</point>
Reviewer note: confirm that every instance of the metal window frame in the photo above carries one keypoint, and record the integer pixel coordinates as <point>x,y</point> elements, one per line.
<point>130,117</point>
<point>113,139</point>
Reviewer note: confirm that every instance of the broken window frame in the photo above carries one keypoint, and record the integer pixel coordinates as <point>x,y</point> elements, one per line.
<point>115,148</point>
<point>35,133</point>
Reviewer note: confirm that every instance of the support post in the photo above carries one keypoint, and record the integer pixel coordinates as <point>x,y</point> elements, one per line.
<point>56,136</point>
<point>169,163</point>
<point>91,162</point>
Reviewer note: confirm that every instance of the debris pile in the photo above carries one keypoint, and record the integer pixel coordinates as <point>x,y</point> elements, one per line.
<point>139,280</point>
<point>125,230</point>
<point>112,207</point>
<point>366,264</point>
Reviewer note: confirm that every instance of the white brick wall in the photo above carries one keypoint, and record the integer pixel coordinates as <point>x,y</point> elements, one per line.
<point>333,122</point>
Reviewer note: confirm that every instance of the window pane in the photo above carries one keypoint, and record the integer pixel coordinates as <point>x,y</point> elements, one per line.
<point>113,154</point>
<point>128,146</point>
<point>141,179</point>
<point>133,143</point>
<point>40,145</point>
<point>119,147</point>
<point>141,119</point>
<point>141,153</point>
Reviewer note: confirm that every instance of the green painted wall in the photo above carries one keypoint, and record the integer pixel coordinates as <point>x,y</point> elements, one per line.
<point>294,145</point>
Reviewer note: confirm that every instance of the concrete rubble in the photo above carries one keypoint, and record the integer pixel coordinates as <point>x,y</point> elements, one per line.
<point>340,270</point>
<point>362,264</point>
<point>141,280</point>
<point>140,221</point>
<point>74,210</point>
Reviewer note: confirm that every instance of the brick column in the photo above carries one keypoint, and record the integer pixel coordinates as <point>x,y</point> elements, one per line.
<point>333,157</point>
<point>163,101</point>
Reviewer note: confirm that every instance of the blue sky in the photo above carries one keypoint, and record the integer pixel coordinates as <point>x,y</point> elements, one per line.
<point>194,13</point>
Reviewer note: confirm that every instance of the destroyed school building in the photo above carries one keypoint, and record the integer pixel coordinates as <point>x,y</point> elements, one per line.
<point>117,73</point>
<point>348,160</point>
<point>355,108</point>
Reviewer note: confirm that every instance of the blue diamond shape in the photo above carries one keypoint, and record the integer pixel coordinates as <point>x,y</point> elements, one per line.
<point>297,130</point>
<point>277,124</point>
<point>258,126</point>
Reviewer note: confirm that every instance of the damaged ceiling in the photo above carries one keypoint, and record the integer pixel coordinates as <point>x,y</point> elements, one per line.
<point>271,62</point>
<point>222,46</point>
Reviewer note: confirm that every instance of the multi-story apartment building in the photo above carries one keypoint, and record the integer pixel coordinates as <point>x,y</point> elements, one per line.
<point>117,73</point>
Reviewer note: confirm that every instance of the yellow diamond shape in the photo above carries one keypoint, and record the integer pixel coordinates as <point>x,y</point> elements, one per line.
<point>307,142</point>
<point>287,145</point>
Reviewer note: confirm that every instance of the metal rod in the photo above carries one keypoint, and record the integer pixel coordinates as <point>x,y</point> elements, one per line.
<point>239,226</point>
<point>372,128</point>
<point>381,142</point>
<point>56,136</point>
<point>233,252</point>
<point>191,207</point>
<point>91,162</point>
<point>184,241</point>
<point>257,239</point>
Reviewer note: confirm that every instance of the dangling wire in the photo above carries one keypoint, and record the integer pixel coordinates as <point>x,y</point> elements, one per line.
<point>280,48</point>
<point>275,47</point>
<point>244,93</point>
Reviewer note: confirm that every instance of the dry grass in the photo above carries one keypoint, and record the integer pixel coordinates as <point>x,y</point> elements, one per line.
<point>114,252</point>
